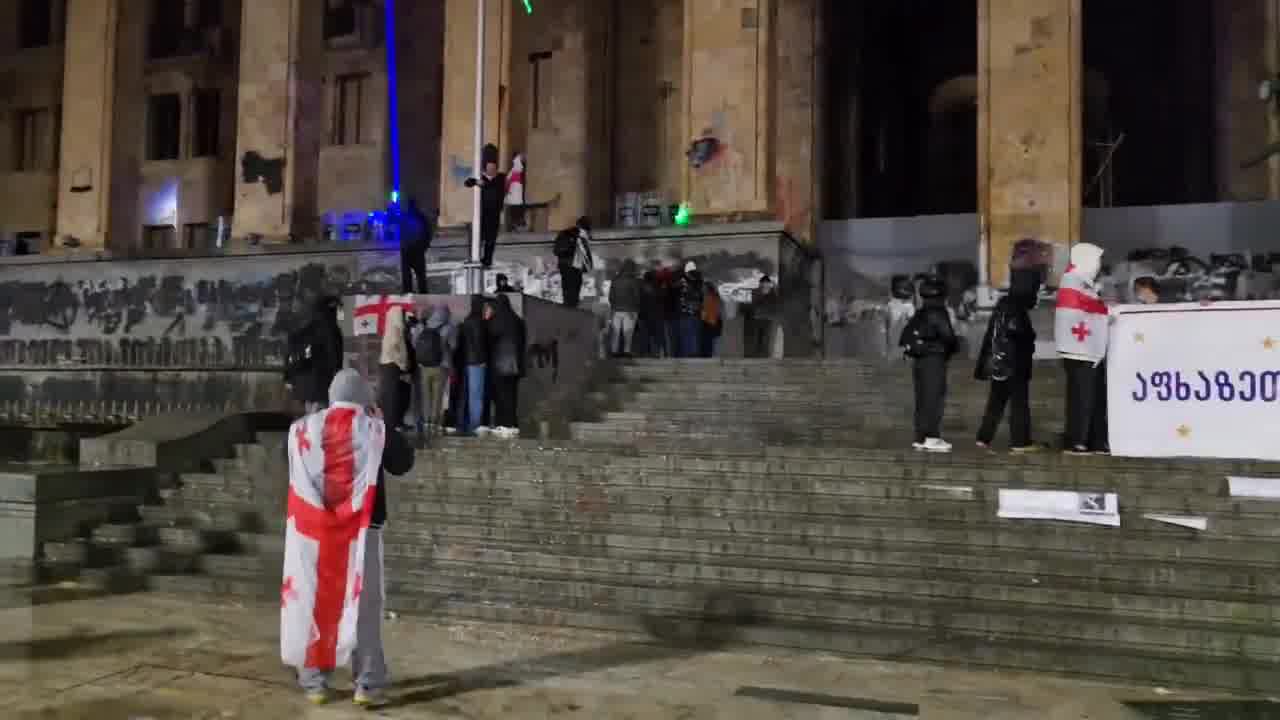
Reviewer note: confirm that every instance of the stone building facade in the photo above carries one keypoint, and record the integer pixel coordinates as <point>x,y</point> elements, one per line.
<point>145,125</point>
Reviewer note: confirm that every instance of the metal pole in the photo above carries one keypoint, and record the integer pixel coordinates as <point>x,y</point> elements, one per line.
<point>475,273</point>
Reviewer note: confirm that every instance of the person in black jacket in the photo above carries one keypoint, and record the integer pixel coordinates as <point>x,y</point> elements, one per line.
<point>415,241</point>
<point>691,294</point>
<point>506,365</point>
<point>474,346</point>
<point>1006,357</point>
<point>493,191</point>
<point>930,341</point>
<point>323,339</point>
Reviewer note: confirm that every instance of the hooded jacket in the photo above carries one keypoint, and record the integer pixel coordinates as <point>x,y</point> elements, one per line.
<point>475,335</point>
<point>1081,321</point>
<point>395,347</point>
<point>506,340</point>
<point>691,294</point>
<point>625,292</point>
<point>1010,331</point>
<point>439,323</point>
<point>326,352</point>
<point>397,457</point>
<point>515,181</point>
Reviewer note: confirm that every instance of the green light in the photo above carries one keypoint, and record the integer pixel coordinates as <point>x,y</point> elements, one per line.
<point>684,214</point>
<point>528,7</point>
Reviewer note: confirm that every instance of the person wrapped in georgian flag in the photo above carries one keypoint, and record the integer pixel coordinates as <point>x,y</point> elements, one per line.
<point>1081,327</point>
<point>331,598</point>
<point>514,200</point>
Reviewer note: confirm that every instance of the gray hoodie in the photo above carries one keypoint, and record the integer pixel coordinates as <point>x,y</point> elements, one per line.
<point>440,322</point>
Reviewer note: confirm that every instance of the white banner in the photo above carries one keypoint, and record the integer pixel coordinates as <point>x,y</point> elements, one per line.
<point>1187,380</point>
<point>1083,507</point>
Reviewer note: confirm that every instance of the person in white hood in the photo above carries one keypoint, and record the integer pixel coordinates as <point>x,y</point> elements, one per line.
<point>1080,329</point>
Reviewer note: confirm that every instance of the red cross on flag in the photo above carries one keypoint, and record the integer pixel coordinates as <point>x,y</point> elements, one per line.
<point>371,312</point>
<point>334,456</point>
<point>1081,319</point>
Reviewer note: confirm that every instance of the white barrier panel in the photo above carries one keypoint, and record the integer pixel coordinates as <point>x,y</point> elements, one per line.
<point>1186,380</point>
<point>1083,507</point>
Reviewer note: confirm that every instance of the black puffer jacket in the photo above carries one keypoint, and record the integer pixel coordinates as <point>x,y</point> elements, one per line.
<point>1010,328</point>
<point>934,323</point>
<point>326,353</point>
<point>474,340</point>
<point>506,340</point>
<point>692,294</point>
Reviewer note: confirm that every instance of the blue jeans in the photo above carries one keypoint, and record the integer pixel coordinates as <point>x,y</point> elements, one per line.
<point>475,395</point>
<point>690,337</point>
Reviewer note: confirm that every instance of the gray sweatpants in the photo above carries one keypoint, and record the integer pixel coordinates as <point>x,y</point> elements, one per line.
<point>368,666</point>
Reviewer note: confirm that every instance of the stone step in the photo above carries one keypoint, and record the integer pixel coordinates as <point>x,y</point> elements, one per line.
<point>161,559</point>
<point>80,553</point>
<point>648,402</point>
<point>888,431</point>
<point>1036,568</point>
<point>125,535</point>
<point>1046,654</point>
<point>1153,544</point>
<point>590,507</point>
<point>765,494</point>
<point>1117,603</point>
<point>1105,631</point>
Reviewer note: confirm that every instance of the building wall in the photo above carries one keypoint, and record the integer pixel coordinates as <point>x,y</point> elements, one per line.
<point>29,79</point>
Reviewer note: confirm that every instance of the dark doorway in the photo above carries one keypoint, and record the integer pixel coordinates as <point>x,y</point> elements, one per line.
<point>1157,60</point>
<point>895,149</point>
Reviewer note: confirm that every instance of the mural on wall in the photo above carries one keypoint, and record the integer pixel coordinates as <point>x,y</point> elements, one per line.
<point>230,312</point>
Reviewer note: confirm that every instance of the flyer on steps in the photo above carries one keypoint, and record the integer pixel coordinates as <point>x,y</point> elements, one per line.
<point>1082,507</point>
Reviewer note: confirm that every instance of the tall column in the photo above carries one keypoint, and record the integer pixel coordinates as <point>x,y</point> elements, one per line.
<point>798,114</point>
<point>88,100</point>
<point>727,81</point>
<point>281,118</point>
<point>1030,67</point>
<point>458,111</point>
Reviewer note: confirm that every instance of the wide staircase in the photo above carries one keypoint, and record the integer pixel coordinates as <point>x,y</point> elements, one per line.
<point>774,503</point>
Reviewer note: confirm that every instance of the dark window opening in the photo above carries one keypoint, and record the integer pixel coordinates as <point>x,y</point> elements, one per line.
<point>35,140</point>
<point>339,19</point>
<point>348,98</point>
<point>206,107</point>
<point>164,127</point>
<point>168,27</point>
<point>35,28</point>
<point>158,237</point>
<point>538,107</point>
<point>204,14</point>
<point>27,243</point>
<point>1155,89</point>
<point>199,236</point>
<point>895,149</point>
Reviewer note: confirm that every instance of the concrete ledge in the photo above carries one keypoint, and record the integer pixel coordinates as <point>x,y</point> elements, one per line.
<point>177,442</point>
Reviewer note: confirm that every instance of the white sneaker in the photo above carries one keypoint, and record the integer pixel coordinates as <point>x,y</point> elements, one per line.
<point>507,432</point>
<point>937,445</point>
<point>917,446</point>
<point>483,430</point>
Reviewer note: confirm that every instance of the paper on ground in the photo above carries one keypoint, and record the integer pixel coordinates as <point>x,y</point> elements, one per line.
<point>1186,521</point>
<point>1262,488</point>
<point>1082,507</point>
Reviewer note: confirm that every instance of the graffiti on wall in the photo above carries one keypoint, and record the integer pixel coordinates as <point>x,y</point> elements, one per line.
<point>233,312</point>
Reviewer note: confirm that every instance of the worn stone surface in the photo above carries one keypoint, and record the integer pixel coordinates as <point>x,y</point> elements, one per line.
<point>281,118</point>
<point>73,657</point>
<point>1244,31</point>
<point>1029,124</point>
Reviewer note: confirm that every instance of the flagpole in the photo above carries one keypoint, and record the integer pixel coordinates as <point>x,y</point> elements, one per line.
<point>475,273</point>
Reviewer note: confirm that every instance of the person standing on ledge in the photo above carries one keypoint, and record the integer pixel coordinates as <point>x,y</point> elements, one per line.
<point>415,241</point>
<point>493,189</point>
<point>574,259</point>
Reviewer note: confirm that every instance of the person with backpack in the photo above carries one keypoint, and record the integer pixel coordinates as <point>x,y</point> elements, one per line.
<point>930,341</point>
<point>314,355</point>
<point>506,366</point>
<point>1005,360</point>
<point>433,348</point>
<point>573,259</point>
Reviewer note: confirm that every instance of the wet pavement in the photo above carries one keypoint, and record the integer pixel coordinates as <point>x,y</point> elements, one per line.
<point>65,655</point>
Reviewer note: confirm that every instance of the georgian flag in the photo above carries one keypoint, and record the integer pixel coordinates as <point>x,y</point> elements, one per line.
<point>370,314</point>
<point>334,457</point>
<point>1080,321</point>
